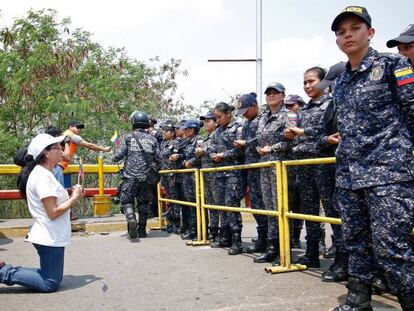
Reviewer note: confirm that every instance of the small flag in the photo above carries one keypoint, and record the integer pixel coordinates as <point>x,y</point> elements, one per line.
<point>404,76</point>
<point>81,173</point>
<point>115,138</point>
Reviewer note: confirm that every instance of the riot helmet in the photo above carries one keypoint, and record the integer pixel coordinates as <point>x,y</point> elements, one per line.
<point>140,120</point>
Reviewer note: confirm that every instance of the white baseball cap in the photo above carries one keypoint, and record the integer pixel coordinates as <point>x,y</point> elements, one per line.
<point>40,142</point>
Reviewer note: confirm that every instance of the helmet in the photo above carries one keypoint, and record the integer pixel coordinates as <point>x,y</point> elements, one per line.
<point>140,120</point>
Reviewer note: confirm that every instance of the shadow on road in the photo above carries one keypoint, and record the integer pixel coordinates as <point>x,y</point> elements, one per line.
<point>4,239</point>
<point>76,281</point>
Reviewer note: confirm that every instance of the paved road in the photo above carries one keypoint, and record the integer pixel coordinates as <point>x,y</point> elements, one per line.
<point>109,272</point>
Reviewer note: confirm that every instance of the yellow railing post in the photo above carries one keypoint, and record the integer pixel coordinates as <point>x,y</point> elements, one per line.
<point>284,234</point>
<point>101,202</point>
<point>159,204</point>
<point>203,210</point>
<point>100,176</point>
<point>199,210</point>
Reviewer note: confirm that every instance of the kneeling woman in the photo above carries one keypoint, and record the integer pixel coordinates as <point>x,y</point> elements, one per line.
<point>49,204</point>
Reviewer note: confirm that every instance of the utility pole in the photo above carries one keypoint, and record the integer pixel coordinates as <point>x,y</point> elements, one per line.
<point>258,58</point>
<point>259,51</point>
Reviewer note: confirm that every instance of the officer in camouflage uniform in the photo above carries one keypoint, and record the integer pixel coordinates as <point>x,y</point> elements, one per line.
<point>157,133</point>
<point>228,186</point>
<point>294,103</point>
<point>249,108</point>
<point>405,43</point>
<point>272,146</point>
<point>202,158</point>
<point>135,173</point>
<point>168,180</point>
<point>375,169</point>
<point>189,144</point>
<point>179,164</point>
<point>317,182</point>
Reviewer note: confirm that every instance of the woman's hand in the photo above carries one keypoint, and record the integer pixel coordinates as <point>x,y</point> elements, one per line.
<point>199,152</point>
<point>334,139</point>
<point>264,150</point>
<point>218,157</point>
<point>174,157</point>
<point>240,143</point>
<point>53,210</point>
<point>295,131</point>
<point>77,191</point>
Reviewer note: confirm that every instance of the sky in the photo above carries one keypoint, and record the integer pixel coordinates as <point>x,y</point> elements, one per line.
<point>296,35</point>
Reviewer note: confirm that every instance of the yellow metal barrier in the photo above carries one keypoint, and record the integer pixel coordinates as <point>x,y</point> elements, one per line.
<point>287,266</point>
<point>11,169</point>
<point>102,202</point>
<point>195,204</point>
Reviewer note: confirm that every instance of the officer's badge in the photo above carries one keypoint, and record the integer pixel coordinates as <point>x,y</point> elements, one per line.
<point>376,74</point>
<point>292,119</point>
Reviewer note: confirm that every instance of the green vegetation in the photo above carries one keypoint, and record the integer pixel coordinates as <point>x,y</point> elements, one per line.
<point>50,74</point>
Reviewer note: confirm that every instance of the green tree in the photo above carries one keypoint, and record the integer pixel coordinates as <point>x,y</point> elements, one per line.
<point>50,74</point>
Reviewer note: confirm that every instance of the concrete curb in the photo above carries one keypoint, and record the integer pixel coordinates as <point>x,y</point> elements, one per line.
<point>19,227</point>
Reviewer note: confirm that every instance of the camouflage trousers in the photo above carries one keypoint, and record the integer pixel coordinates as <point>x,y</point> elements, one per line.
<point>376,225</point>
<point>255,191</point>
<point>228,191</point>
<point>209,199</point>
<point>268,188</point>
<point>295,204</point>
<point>132,189</point>
<point>316,185</point>
<point>190,196</point>
<point>168,183</point>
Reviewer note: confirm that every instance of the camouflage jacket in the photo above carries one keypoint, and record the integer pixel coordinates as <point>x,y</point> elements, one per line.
<point>270,131</point>
<point>135,165</point>
<point>249,134</point>
<point>312,118</point>
<point>222,142</point>
<point>375,106</point>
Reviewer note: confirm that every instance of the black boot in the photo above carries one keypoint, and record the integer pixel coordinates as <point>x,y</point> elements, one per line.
<point>330,252</point>
<point>177,223</point>
<point>379,284</point>
<point>406,302</point>
<point>272,251</point>
<point>142,225</point>
<point>358,298</point>
<point>191,234</point>
<point>213,233</point>
<point>311,257</point>
<point>170,227</point>
<point>236,248</point>
<point>224,239</point>
<point>295,243</point>
<point>131,220</point>
<point>338,271</point>
<point>260,245</point>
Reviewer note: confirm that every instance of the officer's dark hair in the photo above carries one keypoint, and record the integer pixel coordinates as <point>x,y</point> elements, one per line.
<point>320,72</point>
<point>223,107</point>
<point>27,169</point>
<point>196,130</point>
<point>53,131</point>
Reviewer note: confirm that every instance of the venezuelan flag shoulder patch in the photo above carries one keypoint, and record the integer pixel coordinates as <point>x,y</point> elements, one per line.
<point>404,76</point>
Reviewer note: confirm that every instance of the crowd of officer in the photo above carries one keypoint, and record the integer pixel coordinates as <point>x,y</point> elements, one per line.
<point>361,111</point>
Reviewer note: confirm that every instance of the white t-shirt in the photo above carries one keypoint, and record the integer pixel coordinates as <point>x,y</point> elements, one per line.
<point>44,231</point>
